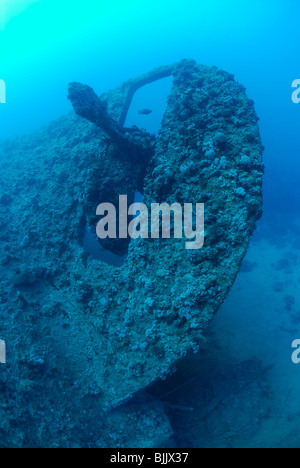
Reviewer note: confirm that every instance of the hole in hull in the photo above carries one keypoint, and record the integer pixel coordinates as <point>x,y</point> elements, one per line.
<point>152,97</point>
<point>92,245</point>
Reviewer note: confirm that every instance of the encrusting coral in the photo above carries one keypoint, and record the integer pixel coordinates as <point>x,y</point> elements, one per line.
<point>90,335</point>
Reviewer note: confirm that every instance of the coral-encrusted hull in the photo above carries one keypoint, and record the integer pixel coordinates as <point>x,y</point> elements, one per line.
<point>113,331</point>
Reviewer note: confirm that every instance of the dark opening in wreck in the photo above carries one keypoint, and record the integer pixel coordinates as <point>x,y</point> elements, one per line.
<point>154,90</point>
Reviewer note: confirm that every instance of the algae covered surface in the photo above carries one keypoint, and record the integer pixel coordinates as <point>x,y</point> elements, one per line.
<point>85,339</point>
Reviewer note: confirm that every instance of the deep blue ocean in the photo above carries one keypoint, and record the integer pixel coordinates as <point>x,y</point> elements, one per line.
<point>46,44</point>
<point>49,43</point>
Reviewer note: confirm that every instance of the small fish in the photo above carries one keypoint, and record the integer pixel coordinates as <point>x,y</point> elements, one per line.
<point>145,111</point>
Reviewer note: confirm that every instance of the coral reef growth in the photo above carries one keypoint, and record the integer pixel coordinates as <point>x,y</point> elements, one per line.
<point>81,334</point>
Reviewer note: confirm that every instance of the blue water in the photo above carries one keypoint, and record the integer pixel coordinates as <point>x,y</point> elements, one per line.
<point>45,44</point>
<point>51,43</point>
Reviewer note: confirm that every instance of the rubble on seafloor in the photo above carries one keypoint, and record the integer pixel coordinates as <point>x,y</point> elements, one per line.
<point>83,337</point>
